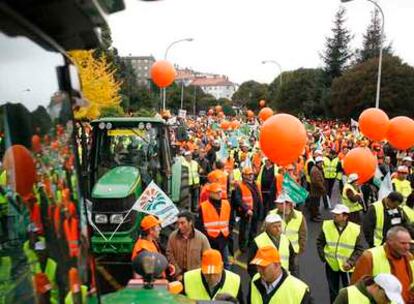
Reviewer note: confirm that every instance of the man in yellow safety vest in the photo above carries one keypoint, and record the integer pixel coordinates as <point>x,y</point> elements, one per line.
<point>339,246</point>
<point>401,183</point>
<point>273,284</point>
<point>352,198</point>
<point>193,179</point>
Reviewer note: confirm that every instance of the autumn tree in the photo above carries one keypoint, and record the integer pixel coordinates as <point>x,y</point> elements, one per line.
<point>99,85</point>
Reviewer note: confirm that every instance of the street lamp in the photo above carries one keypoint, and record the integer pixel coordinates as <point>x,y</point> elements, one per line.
<point>164,90</point>
<point>380,52</point>
<point>278,65</point>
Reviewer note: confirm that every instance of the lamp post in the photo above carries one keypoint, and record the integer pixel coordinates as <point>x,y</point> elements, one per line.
<point>279,66</point>
<point>380,52</point>
<point>164,90</point>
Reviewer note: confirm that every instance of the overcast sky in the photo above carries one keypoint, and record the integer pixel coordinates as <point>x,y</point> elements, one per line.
<point>232,37</point>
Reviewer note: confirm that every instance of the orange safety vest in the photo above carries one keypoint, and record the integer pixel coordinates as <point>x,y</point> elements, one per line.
<point>279,183</point>
<point>36,217</point>
<point>229,165</point>
<point>143,244</point>
<point>256,162</point>
<point>214,223</point>
<point>70,227</point>
<point>247,197</point>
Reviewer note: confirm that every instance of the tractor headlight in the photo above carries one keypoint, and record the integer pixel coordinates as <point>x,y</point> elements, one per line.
<point>101,218</point>
<point>116,218</point>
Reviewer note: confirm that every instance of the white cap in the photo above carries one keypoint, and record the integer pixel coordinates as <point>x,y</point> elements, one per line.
<point>339,209</point>
<point>283,198</point>
<point>403,169</point>
<point>352,177</point>
<point>40,245</point>
<point>32,228</point>
<point>319,159</point>
<point>186,153</point>
<point>273,218</point>
<point>216,142</point>
<point>407,158</point>
<point>391,286</point>
<point>318,152</point>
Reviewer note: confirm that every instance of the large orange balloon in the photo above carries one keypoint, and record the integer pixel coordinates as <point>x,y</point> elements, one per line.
<point>262,103</point>
<point>265,113</point>
<point>360,161</point>
<point>400,132</point>
<point>250,114</point>
<point>225,124</point>
<point>20,168</point>
<point>283,138</point>
<point>373,123</point>
<point>163,73</point>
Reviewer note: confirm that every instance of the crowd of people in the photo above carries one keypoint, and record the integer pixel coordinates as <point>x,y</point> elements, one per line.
<point>365,245</point>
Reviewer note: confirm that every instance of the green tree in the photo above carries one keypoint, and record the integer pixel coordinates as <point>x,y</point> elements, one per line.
<point>356,89</point>
<point>337,53</point>
<point>250,93</point>
<point>41,120</point>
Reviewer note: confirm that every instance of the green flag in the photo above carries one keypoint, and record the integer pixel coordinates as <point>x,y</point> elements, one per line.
<point>297,193</point>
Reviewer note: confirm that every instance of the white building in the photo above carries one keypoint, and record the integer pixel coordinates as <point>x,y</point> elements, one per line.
<point>218,86</point>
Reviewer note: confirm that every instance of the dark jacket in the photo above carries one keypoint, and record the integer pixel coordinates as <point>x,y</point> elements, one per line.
<point>317,185</point>
<point>258,210</point>
<point>342,297</point>
<point>370,219</point>
<point>307,299</point>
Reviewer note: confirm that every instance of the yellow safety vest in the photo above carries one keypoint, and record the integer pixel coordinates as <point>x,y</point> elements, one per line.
<point>194,288</point>
<point>305,169</point>
<point>409,212</point>
<point>291,229</point>
<point>355,296</point>
<point>380,263</point>
<point>263,240</point>
<point>329,167</point>
<point>30,253</point>
<point>50,272</point>
<point>3,178</point>
<point>193,177</point>
<point>379,224</point>
<point>84,293</point>
<point>353,206</point>
<point>291,291</point>
<point>402,186</point>
<point>259,177</point>
<point>339,247</point>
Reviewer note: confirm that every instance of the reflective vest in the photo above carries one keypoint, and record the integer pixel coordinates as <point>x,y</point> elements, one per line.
<point>195,290</point>
<point>6,282</point>
<point>355,296</point>
<point>402,186</point>
<point>213,222</point>
<point>409,212</point>
<point>263,240</point>
<point>70,227</point>
<point>353,206</point>
<point>259,177</point>
<point>30,253</point>
<point>380,263</point>
<point>379,224</point>
<point>50,272</point>
<point>291,291</point>
<point>291,229</point>
<point>4,205</point>
<point>143,244</point>
<point>247,197</point>
<point>329,167</point>
<point>237,176</point>
<point>193,177</point>
<point>305,170</point>
<point>339,247</point>
<point>84,296</point>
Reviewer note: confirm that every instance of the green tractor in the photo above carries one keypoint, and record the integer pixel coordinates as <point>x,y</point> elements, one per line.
<point>125,155</point>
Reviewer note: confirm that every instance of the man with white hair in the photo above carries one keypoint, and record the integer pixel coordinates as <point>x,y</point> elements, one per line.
<point>352,198</point>
<point>273,236</point>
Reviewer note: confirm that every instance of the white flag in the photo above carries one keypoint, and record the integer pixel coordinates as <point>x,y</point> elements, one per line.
<point>154,201</point>
<point>386,187</point>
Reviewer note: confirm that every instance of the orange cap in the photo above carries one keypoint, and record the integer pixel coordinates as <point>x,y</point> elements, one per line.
<point>74,280</point>
<point>247,170</point>
<point>149,221</point>
<point>213,177</point>
<point>214,187</point>
<point>211,262</point>
<point>266,256</point>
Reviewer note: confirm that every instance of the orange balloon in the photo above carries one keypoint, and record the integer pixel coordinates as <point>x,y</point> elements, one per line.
<point>400,133</point>
<point>250,114</point>
<point>373,123</point>
<point>262,103</point>
<point>282,138</point>
<point>225,125</point>
<point>265,113</point>
<point>235,124</point>
<point>20,168</point>
<point>218,109</point>
<point>163,73</point>
<point>361,161</point>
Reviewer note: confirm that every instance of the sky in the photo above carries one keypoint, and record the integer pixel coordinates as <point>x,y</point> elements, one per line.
<point>233,37</point>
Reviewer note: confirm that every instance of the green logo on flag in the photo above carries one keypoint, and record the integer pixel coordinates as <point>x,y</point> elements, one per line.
<point>297,193</point>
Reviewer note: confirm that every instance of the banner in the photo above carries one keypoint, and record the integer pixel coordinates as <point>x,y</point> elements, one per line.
<point>386,187</point>
<point>154,201</point>
<point>182,113</point>
<point>297,193</point>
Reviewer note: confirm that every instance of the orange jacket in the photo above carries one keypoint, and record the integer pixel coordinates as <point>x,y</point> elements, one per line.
<point>70,227</point>
<point>143,244</point>
<point>214,223</point>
